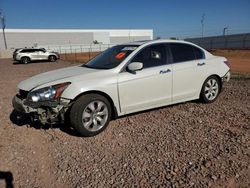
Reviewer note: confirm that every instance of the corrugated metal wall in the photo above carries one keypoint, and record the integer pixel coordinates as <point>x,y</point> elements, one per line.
<point>18,38</point>
<point>239,41</point>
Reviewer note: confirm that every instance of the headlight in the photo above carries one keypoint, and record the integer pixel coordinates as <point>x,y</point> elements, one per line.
<point>47,93</point>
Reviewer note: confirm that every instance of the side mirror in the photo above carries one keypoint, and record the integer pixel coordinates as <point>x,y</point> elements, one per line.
<point>135,66</point>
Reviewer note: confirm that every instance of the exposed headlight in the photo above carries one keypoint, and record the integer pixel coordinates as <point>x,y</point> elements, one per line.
<point>48,93</point>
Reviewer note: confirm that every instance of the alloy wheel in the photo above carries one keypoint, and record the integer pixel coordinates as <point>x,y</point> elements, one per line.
<point>95,115</point>
<point>211,89</point>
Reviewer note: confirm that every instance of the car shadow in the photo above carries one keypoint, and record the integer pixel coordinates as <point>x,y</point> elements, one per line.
<point>37,61</point>
<point>8,178</point>
<point>20,119</point>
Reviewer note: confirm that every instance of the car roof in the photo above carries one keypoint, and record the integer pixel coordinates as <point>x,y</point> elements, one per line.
<point>137,42</point>
<point>157,41</point>
<point>31,49</point>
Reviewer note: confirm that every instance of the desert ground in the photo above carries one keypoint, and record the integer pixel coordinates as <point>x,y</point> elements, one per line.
<point>184,145</point>
<point>239,59</point>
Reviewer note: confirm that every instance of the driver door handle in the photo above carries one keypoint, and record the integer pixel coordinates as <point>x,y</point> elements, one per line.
<point>165,71</point>
<point>201,64</point>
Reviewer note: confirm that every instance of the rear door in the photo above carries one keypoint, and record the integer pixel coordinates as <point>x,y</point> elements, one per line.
<point>149,87</point>
<point>189,70</point>
<point>41,55</point>
<point>34,54</point>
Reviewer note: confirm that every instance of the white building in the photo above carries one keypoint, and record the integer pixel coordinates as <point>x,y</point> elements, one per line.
<point>49,38</point>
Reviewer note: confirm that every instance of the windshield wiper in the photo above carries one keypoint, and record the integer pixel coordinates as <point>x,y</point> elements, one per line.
<point>87,66</point>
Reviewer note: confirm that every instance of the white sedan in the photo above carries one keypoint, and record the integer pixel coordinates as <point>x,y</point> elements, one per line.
<point>123,79</point>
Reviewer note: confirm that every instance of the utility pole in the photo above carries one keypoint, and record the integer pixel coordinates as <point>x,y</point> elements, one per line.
<point>3,27</point>
<point>224,31</point>
<point>202,24</point>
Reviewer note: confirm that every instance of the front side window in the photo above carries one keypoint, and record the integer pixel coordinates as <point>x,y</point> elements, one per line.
<point>28,51</point>
<point>111,57</point>
<point>152,56</point>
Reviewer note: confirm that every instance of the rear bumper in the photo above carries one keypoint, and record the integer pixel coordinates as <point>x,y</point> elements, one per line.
<point>226,77</point>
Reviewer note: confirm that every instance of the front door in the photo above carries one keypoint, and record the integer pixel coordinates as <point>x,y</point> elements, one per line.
<point>147,88</point>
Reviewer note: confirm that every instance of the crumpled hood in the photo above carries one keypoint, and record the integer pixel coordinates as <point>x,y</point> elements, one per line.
<point>52,76</point>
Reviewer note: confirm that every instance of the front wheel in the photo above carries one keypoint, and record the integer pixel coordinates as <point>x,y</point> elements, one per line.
<point>210,89</point>
<point>90,114</point>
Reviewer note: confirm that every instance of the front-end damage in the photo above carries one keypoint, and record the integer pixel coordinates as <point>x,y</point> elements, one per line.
<point>46,112</point>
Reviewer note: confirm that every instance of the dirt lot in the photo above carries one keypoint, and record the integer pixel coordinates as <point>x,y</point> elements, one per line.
<point>79,57</point>
<point>184,145</point>
<point>239,59</point>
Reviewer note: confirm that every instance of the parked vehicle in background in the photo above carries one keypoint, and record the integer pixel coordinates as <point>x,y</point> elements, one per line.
<point>26,55</point>
<point>123,79</point>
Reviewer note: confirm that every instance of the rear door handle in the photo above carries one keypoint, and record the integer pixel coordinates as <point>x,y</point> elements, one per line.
<point>201,64</point>
<point>165,71</point>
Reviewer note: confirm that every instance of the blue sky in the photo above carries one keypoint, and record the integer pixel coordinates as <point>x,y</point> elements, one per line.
<point>168,18</point>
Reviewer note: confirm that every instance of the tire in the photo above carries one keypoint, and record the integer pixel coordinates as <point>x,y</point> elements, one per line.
<point>25,60</point>
<point>52,58</point>
<point>90,114</point>
<point>210,89</point>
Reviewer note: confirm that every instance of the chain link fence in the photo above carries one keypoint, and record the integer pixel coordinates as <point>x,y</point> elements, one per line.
<point>77,52</point>
<point>239,41</point>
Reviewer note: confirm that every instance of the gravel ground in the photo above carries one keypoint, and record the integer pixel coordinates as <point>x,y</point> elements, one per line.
<point>184,145</point>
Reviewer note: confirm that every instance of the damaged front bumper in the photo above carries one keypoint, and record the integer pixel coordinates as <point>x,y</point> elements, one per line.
<point>47,112</point>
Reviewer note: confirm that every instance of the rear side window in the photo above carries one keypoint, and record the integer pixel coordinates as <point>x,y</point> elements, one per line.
<point>185,52</point>
<point>199,54</point>
<point>152,56</point>
<point>182,52</point>
<point>40,50</point>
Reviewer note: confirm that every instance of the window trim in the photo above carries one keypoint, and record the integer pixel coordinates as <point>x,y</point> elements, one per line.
<point>168,60</point>
<point>193,46</point>
<point>26,50</point>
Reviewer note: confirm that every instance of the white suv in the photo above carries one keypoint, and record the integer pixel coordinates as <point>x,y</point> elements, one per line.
<point>123,79</point>
<point>26,55</point>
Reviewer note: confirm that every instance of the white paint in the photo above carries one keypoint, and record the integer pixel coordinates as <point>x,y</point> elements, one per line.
<point>143,90</point>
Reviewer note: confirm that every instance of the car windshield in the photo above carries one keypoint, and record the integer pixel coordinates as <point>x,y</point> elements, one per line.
<point>111,57</point>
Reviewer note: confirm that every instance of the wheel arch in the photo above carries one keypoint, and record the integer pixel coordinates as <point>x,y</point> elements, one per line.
<point>52,55</point>
<point>114,113</point>
<point>215,75</point>
<point>25,56</point>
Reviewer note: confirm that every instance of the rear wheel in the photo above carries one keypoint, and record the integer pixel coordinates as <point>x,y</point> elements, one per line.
<point>90,114</point>
<point>25,60</point>
<point>210,89</point>
<point>52,58</point>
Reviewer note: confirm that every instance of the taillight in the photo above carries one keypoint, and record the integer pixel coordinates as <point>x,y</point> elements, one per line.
<point>227,63</point>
